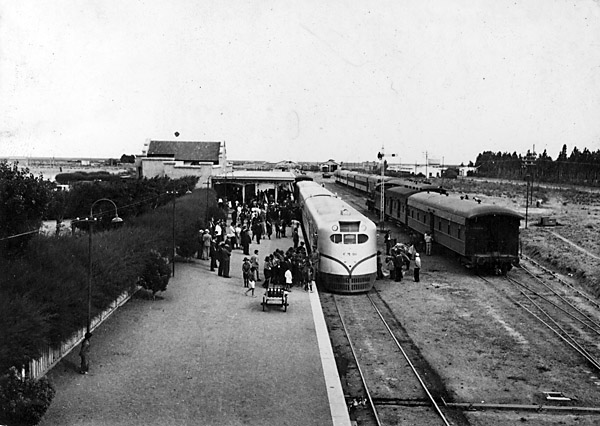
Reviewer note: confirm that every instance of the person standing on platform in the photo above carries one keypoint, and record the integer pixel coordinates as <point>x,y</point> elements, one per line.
<point>288,278</point>
<point>220,259</point>
<point>269,228</point>
<point>267,265</point>
<point>379,266</point>
<point>84,354</point>
<point>254,263</point>
<point>206,242</point>
<point>295,237</point>
<point>213,256</point>
<point>218,232</point>
<point>428,243</point>
<point>251,281</point>
<point>398,263</point>
<point>245,241</point>
<point>390,266</point>
<point>417,268</point>
<point>246,271</point>
<point>388,242</point>
<point>225,260</point>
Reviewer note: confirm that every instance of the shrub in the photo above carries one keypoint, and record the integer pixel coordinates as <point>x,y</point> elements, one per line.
<point>24,401</point>
<point>156,273</point>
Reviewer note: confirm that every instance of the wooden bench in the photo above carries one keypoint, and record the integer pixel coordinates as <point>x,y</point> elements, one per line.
<point>275,295</point>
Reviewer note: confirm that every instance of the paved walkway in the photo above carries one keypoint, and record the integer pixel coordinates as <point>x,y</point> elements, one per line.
<point>203,354</point>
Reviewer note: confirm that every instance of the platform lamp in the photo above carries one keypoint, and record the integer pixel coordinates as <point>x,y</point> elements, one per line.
<point>90,222</point>
<point>173,193</point>
<point>206,208</point>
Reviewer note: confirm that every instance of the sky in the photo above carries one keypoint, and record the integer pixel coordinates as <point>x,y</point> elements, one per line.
<point>300,80</point>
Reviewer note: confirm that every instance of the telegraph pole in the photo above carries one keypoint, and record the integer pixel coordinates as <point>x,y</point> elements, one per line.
<point>528,162</point>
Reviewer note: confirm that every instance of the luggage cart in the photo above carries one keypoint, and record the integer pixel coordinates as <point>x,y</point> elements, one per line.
<point>275,295</point>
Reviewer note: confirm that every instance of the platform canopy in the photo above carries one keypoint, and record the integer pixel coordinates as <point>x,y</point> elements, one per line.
<point>253,181</point>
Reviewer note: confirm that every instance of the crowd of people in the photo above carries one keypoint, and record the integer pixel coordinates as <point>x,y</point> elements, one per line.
<point>399,257</point>
<point>250,224</point>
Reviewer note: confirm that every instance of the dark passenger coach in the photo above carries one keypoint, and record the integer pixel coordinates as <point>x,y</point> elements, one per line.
<point>483,235</point>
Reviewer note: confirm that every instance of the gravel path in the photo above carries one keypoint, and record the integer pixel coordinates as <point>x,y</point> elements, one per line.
<point>202,354</point>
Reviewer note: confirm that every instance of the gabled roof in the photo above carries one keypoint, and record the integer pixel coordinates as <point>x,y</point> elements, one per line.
<point>185,150</point>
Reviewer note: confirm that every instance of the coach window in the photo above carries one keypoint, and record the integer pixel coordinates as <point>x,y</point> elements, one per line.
<point>449,233</point>
<point>349,238</point>
<point>336,238</point>
<point>439,225</point>
<point>459,234</point>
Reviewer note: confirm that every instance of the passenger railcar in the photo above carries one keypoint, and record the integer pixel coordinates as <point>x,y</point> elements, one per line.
<point>343,240</point>
<point>396,193</point>
<point>484,236</point>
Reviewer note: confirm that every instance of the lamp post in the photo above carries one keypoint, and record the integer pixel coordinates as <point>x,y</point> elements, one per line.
<point>91,221</point>
<point>206,208</point>
<point>173,253</point>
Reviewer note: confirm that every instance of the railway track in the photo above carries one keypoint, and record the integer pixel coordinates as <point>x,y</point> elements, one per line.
<point>398,387</point>
<point>566,312</point>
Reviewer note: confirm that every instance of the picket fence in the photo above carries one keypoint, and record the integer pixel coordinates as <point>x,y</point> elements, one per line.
<point>52,356</point>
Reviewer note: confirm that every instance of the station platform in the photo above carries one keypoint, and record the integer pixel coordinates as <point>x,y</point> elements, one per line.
<point>204,353</point>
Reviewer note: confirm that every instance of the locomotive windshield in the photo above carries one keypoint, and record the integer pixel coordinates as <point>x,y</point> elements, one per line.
<point>349,226</point>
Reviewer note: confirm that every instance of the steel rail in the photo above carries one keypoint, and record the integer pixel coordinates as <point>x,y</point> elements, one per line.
<point>579,320</point>
<point>568,302</point>
<point>542,267</point>
<point>362,376</point>
<point>566,334</point>
<point>592,361</point>
<point>574,346</point>
<point>423,385</point>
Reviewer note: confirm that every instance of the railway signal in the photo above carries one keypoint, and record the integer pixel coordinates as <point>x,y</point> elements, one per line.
<point>381,158</point>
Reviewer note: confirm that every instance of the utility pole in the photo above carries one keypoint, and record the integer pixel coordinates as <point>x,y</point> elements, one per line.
<point>528,163</point>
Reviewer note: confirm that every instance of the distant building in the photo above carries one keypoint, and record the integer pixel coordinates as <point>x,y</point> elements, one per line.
<point>176,159</point>
<point>329,166</point>
<point>286,165</point>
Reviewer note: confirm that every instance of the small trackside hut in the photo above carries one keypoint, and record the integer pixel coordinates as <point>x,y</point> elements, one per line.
<point>485,236</point>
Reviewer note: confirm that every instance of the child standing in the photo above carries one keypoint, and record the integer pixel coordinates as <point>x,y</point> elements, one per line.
<point>251,281</point>
<point>246,271</point>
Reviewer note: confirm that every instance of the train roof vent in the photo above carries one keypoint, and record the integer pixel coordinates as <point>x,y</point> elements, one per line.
<point>345,212</point>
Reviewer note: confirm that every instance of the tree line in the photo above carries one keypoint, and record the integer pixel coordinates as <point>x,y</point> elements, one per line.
<point>578,167</point>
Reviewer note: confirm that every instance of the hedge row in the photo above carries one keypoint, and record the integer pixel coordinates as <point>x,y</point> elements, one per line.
<point>43,295</point>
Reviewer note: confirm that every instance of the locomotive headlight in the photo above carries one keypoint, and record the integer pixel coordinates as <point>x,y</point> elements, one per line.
<point>363,227</point>
<point>334,228</point>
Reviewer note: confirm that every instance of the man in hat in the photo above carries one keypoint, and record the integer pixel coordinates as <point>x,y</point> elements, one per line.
<point>245,241</point>
<point>417,267</point>
<point>225,260</point>
<point>246,271</point>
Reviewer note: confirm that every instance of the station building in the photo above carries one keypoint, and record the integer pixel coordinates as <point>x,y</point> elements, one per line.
<point>176,159</point>
<point>208,161</point>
